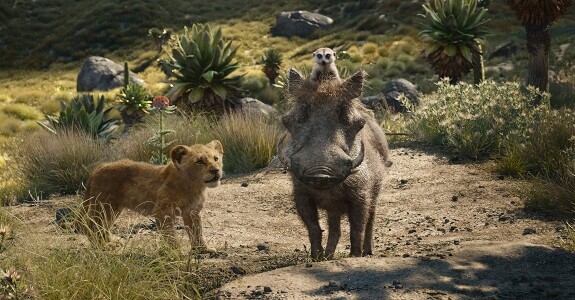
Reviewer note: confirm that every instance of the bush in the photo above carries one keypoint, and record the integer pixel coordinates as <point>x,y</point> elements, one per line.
<point>58,163</point>
<point>477,120</point>
<point>249,140</point>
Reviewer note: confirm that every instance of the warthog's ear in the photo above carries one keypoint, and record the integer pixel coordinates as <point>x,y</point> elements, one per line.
<point>353,86</point>
<point>295,78</point>
<point>177,154</point>
<point>216,145</point>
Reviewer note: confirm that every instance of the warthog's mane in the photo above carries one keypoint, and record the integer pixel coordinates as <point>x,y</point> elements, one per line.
<point>320,93</point>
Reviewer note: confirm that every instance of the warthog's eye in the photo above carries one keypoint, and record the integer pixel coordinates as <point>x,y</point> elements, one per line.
<point>200,162</point>
<point>216,158</point>
<point>319,56</point>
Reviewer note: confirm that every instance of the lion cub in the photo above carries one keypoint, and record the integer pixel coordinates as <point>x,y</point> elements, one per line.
<point>177,188</point>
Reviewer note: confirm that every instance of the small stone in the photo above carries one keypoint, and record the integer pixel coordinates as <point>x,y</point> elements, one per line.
<point>332,283</point>
<point>405,255</point>
<point>238,270</point>
<point>267,289</point>
<point>503,218</point>
<point>529,230</point>
<point>308,265</point>
<point>501,177</point>
<point>454,198</point>
<point>244,184</point>
<point>457,242</point>
<point>452,228</point>
<point>412,231</point>
<point>559,228</point>
<point>263,247</point>
<point>403,181</point>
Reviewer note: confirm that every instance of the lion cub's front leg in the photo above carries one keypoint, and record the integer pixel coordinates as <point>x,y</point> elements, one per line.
<point>193,223</point>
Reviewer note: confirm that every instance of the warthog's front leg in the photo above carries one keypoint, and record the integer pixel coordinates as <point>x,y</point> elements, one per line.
<point>307,210</point>
<point>334,233</point>
<point>368,238</point>
<point>357,221</point>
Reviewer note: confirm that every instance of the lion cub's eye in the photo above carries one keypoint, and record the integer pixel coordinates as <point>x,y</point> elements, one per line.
<point>200,162</point>
<point>216,158</point>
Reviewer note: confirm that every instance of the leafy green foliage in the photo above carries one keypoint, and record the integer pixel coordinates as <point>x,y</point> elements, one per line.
<point>86,114</point>
<point>133,102</point>
<point>202,65</point>
<point>272,60</point>
<point>453,34</point>
<point>474,120</point>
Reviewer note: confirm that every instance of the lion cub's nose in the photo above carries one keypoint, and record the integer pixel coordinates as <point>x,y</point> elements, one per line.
<point>215,171</point>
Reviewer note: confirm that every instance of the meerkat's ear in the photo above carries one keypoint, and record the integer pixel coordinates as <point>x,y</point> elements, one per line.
<point>216,145</point>
<point>313,54</point>
<point>295,78</point>
<point>354,84</point>
<point>177,154</point>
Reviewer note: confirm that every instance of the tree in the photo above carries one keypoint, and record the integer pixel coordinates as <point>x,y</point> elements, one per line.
<point>536,16</point>
<point>453,36</point>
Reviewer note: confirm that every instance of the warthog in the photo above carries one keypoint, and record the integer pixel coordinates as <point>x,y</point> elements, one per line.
<point>336,153</point>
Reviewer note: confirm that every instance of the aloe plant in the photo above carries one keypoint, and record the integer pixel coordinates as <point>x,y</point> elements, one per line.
<point>272,60</point>
<point>133,102</point>
<point>83,113</point>
<point>202,65</point>
<point>453,35</point>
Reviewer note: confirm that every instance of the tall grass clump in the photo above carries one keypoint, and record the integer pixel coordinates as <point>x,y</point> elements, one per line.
<point>249,140</point>
<point>96,274</point>
<point>476,120</point>
<point>58,163</point>
<point>547,153</point>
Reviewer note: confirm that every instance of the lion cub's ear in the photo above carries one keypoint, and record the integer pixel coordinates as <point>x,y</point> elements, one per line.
<point>216,145</point>
<point>178,153</point>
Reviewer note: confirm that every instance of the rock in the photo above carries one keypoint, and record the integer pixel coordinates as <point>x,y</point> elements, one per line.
<point>505,51</point>
<point>238,270</point>
<point>263,247</point>
<point>299,23</point>
<point>529,230</point>
<point>244,184</point>
<point>391,94</point>
<point>267,289</point>
<point>396,87</point>
<point>100,73</point>
<point>454,198</point>
<point>63,215</point>
<point>251,105</point>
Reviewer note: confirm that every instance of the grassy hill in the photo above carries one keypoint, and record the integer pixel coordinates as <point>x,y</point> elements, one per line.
<point>43,43</point>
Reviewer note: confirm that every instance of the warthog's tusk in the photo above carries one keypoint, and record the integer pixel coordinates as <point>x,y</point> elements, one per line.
<point>358,160</point>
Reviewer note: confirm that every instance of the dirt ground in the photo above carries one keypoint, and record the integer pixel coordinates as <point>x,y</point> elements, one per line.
<point>444,230</point>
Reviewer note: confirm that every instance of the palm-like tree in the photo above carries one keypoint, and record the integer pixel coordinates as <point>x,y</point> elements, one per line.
<point>536,16</point>
<point>453,36</point>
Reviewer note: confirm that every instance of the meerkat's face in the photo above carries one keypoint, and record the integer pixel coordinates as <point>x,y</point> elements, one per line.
<point>324,56</point>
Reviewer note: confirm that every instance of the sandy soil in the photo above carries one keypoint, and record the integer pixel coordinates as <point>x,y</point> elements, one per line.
<point>444,230</point>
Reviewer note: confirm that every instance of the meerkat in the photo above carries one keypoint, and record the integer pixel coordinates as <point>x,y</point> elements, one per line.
<point>324,67</point>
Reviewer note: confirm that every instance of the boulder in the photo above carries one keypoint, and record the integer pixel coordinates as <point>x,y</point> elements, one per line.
<point>100,73</point>
<point>251,105</point>
<point>505,51</point>
<point>390,96</point>
<point>299,23</point>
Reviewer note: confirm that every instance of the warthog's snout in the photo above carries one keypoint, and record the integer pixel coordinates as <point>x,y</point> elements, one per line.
<point>321,177</point>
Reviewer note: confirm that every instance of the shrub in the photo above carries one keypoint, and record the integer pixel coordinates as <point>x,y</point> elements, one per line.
<point>474,120</point>
<point>133,102</point>
<point>86,114</point>
<point>58,163</point>
<point>202,65</point>
<point>249,140</point>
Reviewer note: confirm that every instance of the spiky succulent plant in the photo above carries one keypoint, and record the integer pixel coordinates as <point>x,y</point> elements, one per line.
<point>272,60</point>
<point>202,65</point>
<point>453,34</point>
<point>83,113</point>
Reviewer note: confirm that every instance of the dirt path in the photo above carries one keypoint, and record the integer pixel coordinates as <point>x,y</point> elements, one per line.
<point>443,231</point>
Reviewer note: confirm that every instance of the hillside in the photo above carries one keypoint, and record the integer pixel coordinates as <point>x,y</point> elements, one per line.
<point>37,34</point>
